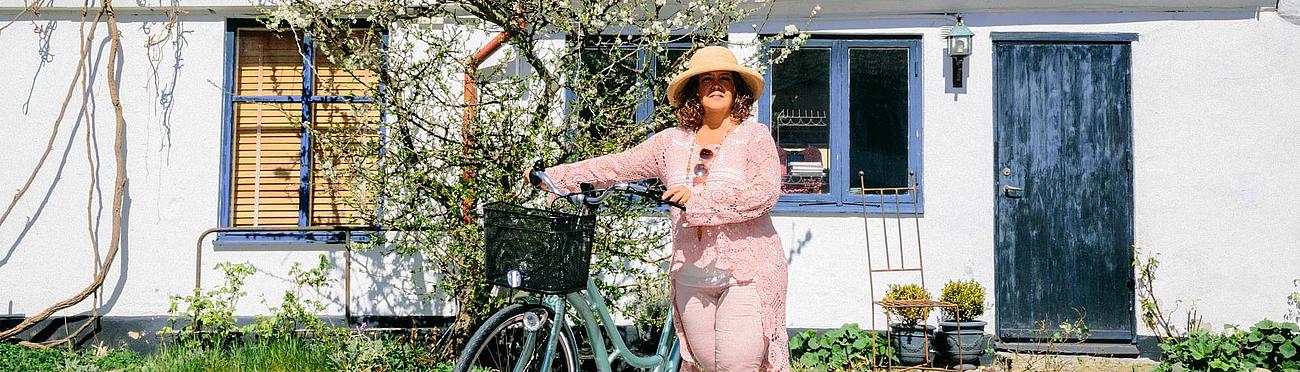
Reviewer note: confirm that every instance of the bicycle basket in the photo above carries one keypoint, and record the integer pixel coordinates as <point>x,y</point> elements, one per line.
<point>536,250</point>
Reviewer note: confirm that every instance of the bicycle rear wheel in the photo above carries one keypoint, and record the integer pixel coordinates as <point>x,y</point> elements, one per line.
<point>498,344</point>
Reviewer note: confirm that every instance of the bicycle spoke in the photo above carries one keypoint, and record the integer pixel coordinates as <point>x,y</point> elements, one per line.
<point>506,345</point>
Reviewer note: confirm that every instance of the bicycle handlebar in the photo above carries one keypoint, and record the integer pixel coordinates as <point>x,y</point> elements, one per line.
<point>591,196</point>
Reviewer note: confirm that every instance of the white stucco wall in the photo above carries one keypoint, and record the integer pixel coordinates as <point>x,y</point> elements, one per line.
<point>172,97</point>
<point>1215,124</point>
<point>1215,120</point>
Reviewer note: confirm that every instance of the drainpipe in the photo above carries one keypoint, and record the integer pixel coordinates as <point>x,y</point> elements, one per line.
<point>471,99</point>
<point>467,127</point>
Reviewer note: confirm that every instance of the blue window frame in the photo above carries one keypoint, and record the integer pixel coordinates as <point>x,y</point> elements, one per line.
<point>854,105</point>
<point>304,99</point>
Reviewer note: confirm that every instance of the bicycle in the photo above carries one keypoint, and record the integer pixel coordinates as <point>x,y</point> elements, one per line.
<point>546,252</point>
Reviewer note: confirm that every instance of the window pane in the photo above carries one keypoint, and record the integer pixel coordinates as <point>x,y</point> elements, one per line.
<point>335,80</point>
<point>344,135</point>
<point>268,149</point>
<point>610,75</point>
<point>268,64</point>
<point>801,119</point>
<point>666,67</point>
<point>878,97</point>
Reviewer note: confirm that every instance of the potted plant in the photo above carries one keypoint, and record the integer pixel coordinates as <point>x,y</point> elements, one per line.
<point>961,337</point>
<point>908,336</point>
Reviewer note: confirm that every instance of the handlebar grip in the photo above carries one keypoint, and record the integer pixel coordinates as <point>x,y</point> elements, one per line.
<point>658,194</point>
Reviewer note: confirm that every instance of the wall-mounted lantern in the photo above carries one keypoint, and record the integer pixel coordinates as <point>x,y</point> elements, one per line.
<point>959,46</point>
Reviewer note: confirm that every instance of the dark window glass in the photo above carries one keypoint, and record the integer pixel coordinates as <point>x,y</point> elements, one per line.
<point>801,120</point>
<point>878,116</point>
<point>615,73</point>
<point>665,68</point>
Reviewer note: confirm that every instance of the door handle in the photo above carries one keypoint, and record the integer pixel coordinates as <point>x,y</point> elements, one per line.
<point>1013,192</point>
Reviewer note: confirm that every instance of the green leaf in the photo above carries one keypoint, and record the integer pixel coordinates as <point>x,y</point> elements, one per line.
<point>1276,338</point>
<point>1264,348</point>
<point>796,342</point>
<point>1290,327</point>
<point>1255,336</point>
<point>1287,350</point>
<point>1265,324</point>
<point>810,359</point>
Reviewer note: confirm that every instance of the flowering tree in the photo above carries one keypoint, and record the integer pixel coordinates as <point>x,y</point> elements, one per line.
<point>575,74</point>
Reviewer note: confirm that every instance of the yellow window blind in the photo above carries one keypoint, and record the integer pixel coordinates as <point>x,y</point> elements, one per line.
<point>341,129</point>
<point>335,80</point>
<point>267,164</point>
<point>268,136</point>
<point>269,64</point>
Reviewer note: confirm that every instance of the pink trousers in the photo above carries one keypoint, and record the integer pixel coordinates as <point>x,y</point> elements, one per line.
<point>723,327</point>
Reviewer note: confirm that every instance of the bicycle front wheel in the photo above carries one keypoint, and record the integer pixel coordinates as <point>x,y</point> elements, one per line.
<point>500,342</point>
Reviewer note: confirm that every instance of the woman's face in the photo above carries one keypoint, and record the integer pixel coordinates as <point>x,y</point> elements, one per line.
<point>717,90</point>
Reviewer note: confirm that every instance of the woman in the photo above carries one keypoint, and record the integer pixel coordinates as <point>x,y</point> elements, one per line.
<point>728,270</point>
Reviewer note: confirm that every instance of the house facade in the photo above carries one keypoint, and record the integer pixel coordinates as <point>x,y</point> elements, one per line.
<point>1073,132</point>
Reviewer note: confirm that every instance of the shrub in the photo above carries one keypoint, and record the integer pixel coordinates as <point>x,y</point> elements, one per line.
<point>847,348</point>
<point>914,315</point>
<point>212,311</point>
<point>969,297</point>
<point>1273,345</point>
<point>1268,344</point>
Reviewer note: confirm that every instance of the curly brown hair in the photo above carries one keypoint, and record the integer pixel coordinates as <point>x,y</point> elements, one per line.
<point>690,113</point>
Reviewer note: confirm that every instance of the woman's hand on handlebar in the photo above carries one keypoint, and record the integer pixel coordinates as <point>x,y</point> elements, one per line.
<point>527,172</point>
<point>678,194</point>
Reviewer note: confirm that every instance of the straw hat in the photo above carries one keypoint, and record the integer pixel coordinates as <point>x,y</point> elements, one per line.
<point>709,59</point>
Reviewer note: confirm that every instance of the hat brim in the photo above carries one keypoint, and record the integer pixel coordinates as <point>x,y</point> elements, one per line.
<point>753,79</point>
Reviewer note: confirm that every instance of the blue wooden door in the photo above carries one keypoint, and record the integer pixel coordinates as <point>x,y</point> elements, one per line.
<point>1064,188</point>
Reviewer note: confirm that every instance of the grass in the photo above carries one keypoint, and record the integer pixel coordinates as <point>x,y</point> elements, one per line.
<point>288,354</point>
<point>358,353</point>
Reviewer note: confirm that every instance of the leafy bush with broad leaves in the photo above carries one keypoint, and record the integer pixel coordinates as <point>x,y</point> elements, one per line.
<point>1271,345</point>
<point>847,348</point>
<point>969,297</point>
<point>1274,345</point>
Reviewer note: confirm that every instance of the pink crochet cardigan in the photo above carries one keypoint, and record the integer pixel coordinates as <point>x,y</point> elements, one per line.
<point>726,220</point>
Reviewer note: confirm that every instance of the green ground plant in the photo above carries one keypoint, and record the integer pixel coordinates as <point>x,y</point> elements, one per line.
<point>848,348</point>
<point>213,310</point>
<point>297,310</point>
<point>1270,345</point>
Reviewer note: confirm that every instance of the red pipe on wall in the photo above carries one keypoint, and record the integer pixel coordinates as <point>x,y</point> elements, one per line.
<point>471,99</point>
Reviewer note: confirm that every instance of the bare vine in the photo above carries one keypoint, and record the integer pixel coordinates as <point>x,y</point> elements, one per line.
<point>120,179</point>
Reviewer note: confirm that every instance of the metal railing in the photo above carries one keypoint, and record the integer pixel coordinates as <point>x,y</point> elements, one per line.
<point>347,257</point>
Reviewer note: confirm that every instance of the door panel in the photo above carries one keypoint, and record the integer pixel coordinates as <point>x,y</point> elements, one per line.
<point>1064,192</point>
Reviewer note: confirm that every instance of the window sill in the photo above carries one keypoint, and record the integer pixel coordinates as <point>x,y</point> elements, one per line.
<point>807,207</point>
<point>290,238</point>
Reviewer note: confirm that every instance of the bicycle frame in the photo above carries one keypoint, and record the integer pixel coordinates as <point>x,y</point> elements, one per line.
<point>589,302</point>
